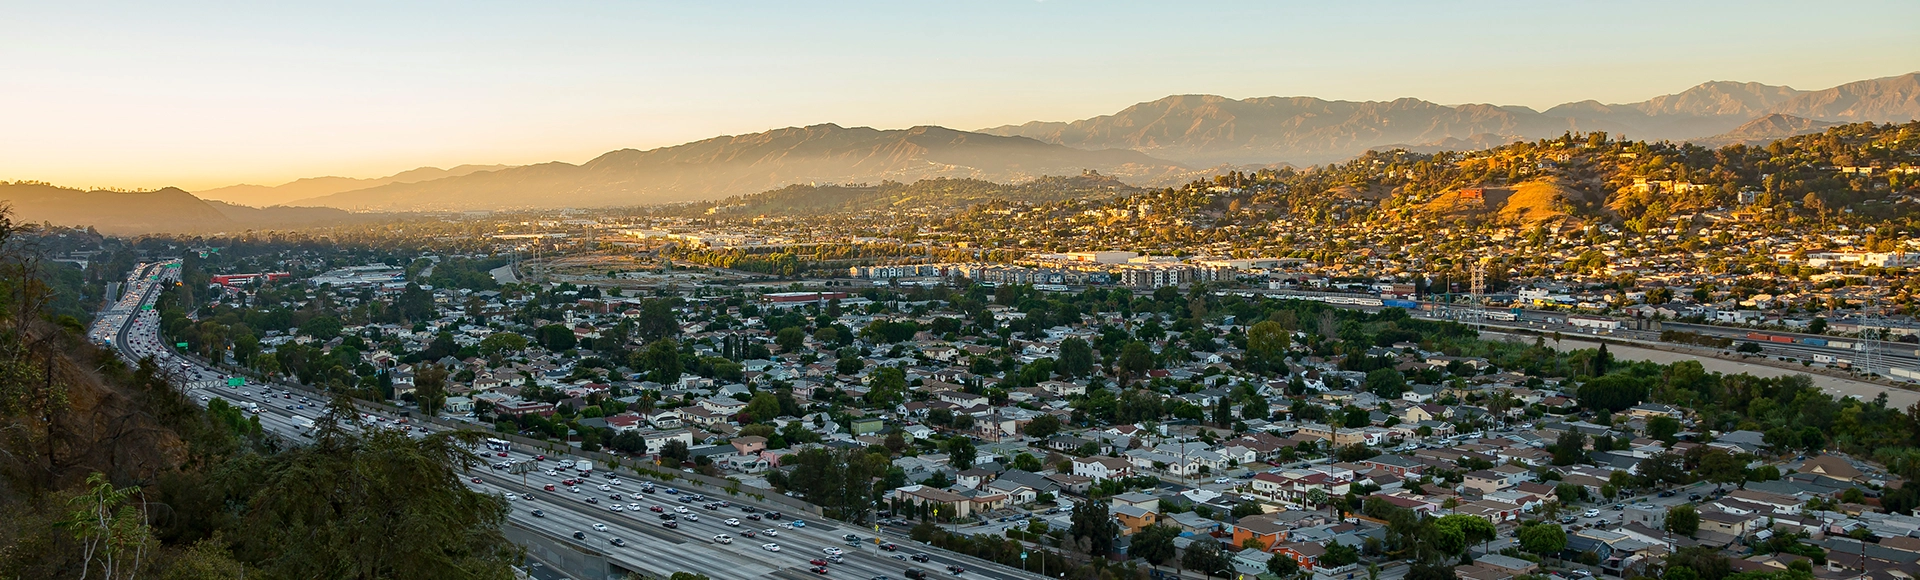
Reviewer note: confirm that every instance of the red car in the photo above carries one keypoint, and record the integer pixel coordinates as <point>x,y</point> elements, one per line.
<point>821,570</point>
<point>657,509</point>
<point>502,454</point>
<point>476,480</point>
<point>549,487</point>
<point>817,562</point>
<point>539,458</point>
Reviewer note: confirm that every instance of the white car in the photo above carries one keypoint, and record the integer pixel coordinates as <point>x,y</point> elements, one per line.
<point>599,527</point>
<point>832,551</point>
<point>633,507</point>
<point>693,517</point>
<point>723,539</point>
<point>1593,513</point>
<point>617,507</point>
<point>770,532</point>
<point>770,547</point>
<point>733,522</point>
<point>614,482</point>
<point>574,489</point>
<point>603,487</point>
<point>680,509</point>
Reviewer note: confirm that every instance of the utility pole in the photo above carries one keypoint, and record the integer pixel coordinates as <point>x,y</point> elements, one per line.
<point>1480,288</point>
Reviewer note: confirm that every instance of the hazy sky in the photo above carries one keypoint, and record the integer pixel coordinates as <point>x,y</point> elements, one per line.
<point>202,94</point>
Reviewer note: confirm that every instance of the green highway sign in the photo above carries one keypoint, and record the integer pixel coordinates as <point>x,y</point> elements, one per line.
<point>236,382</point>
<point>180,344</point>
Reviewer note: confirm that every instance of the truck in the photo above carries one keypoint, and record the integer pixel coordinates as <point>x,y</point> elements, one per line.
<point>583,465</point>
<point>303,423</point>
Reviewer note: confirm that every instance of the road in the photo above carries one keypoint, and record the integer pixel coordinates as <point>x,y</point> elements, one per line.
<point>131,326</point>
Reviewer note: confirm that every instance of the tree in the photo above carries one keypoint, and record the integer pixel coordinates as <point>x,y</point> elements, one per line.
<point>886,386</point>
<point>430,388</point>
<point>1043,426</point>
<point>1569,493</point>
<point>1719,466</point>
<point>1570,448</point>
<point>1093,528</point>
<point>1135,360</point>
<point>1027,462</point>
<point>554,337</point>
<point>674,451</point>
<point>1338,555</point>
<point>322,327</point>
<point>500,342</point>
<point>661,360</point>
<point>763,407</point>
<point>961,452</point>
<point>1663,428</point>
<point>1283,566</point>
<point>1683,519</point>
<point>1153,544</point>
<point>1076,358</point>
<point>1205,556</point>
<point>656,321</point>
<point>1267,343</point>
<point>1386,383</point>
<point>790,339</point>
<point>111,528</point>
<point>1543,539</point>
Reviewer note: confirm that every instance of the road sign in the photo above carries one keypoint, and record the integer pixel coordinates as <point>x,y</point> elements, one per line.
<point>236,381</point>
<point>180,344</point>
<point>1023,555</point>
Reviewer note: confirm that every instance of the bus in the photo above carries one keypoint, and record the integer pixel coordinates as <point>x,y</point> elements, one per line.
<point>500,445</point>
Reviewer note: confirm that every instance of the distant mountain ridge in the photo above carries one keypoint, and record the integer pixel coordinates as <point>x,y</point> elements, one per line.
<point>165,210</point>
<point>1208,129</point>
<point>742,164</point>
<point>263,195</point>
<point>1766,129</point>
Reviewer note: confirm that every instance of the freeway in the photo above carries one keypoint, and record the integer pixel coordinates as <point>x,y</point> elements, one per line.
<point>582,514</point>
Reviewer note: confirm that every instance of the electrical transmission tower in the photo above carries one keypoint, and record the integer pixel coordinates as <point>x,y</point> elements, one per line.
<point>1479,288</point>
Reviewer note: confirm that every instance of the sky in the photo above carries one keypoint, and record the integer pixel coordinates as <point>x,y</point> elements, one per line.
<point>141,95</point>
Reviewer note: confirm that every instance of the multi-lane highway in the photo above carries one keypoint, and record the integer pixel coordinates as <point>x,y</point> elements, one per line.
<point>541,498</point>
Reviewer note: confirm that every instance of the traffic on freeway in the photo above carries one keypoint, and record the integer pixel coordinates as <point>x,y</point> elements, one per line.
<point>644,526</point>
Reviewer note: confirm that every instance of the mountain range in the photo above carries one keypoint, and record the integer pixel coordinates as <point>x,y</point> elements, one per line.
<point>1160,142</point>
<point>742,164</point>
<point>165,210</point>
<point>1209,129</point>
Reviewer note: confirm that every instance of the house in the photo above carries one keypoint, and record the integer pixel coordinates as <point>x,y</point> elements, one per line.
<point>1264,528</point>
<point>520,408</point>
<point>1486,481</point>
<point>949,504</point>
<point>1133,519</point>
<point>1138,499</point>
<point>1102,468</point>
<point>1650,410</point>
<point>1831,467</point>
<point>1304,553</point>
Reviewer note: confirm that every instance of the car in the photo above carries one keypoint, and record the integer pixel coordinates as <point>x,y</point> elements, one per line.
<point>818,562</point>
<point>834,551</point>
<point>657,509</point>
<point>915,575</point>
<point>850,538</point>
<point>754,517</point>
<point>680,509</point>
<point>539,514</point>
<point>574,489</point>
<point>615,497</point>
<point>1568,519</point>
<point>1666,493</point>
<point>618,542</point>
<point>667,517</point>
<point>1619,506</point>
<point>900,557</point>
<point>579,535</point>
<point>797,524</point>
<point>693,517</point>
<point>593,500</point>
<point>476,480</point>
<point>956,570</point>
<point>822,570</point>
<point>723,539</point>
<point>613,481</point>
<point>749,534</point>
<point>1222,480</point>
<point>672,491</point>
<point>922,557</point>
<point>732,522</point>
<point>774,515</point>
<point>605,487</point>
<point>1693,497</point>
<point>670,524</point>
<point>526,496</point>
<point>617,507</point>
<point>889,546</point>
<point>647,489</point>
<point>1591,513</point>
<point>771,533</point>
<point>633,507</point>
<point>770,547</point>
<point>539,458</point>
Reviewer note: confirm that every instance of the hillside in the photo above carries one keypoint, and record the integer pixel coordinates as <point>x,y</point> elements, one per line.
<point>1766,129</point>
<point>165,210</point>
<point>1208,129</point>
<point>924,195</point>
<point>736,165</point>
<point>263,195</point>
<point>112,212</point>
